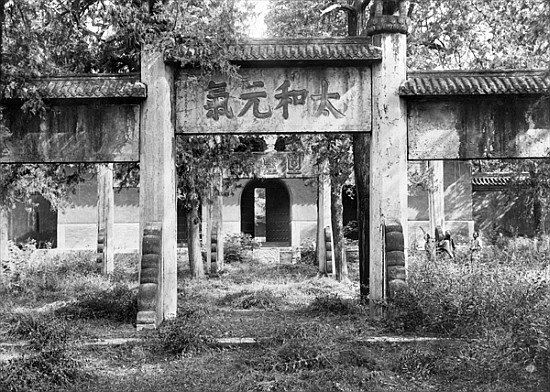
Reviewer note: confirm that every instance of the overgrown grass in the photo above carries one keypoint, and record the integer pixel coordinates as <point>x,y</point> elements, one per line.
<point>504,306</point>
<point>312,332</point>
<point>46,364</point>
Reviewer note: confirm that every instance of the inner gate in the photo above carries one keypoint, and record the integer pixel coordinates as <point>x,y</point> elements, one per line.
<point>265,212</point>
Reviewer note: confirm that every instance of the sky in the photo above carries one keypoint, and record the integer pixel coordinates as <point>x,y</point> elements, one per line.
<point>258,27</point>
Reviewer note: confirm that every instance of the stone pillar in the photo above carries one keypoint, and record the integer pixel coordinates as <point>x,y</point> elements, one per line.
<point>207,225</point>
<point>158,181</point>
<point>4,255</point>
<point>106,218</point>
<point>217,229</point>
<point>324,255</point>
<point>436,199</point>
<point>388,170</point>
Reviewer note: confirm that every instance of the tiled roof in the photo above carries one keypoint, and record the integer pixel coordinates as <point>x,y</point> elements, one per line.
<point>476,83</point>
<point>300,50</point>
<point>86,86</point>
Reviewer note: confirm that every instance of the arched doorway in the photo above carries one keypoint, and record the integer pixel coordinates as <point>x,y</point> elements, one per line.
<point>265,212</point>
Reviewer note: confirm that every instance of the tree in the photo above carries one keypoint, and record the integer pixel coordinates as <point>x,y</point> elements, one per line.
<point>480,34</point>
<point>287,18</point>
<point>55,36</point>
<point>199,160</point>
<point>337,150</point>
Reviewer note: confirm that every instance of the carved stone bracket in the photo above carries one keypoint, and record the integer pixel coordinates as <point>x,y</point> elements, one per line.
<point>388,24</point>
<point>389,17</point>
<point>394,257</point>
<point>151,259</point>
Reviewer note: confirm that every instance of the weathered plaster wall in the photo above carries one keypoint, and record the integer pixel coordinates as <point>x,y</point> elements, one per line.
<point>503,211</point>
<point>77,224</point>
<point>458,204</point>
<point>508,126</point>
<point>73,133</point>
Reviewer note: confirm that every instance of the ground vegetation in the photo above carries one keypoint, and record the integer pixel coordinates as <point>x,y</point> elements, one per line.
<point>488,320</point>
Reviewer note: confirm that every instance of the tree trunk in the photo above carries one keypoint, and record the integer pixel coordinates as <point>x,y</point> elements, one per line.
<point>193,243</point>
<point>361,160</point>
<point>336,209</point>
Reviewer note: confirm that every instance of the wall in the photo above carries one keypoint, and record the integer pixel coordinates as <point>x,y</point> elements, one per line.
<point>504,211</point>
<point>459,220</point>
<point>77,224</point>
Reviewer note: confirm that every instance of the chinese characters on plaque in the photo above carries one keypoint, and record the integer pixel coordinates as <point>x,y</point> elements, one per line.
<point>254,95</point>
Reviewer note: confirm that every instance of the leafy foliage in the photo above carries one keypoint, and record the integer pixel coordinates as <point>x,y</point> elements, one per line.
<point>200,159</point>
<point>237,247</point>
<point>444,34</point>
<point>54,182</point>
<point>51,37</point>
<point>479,34</point>
<point>308,251</point>
<point>303,19</point>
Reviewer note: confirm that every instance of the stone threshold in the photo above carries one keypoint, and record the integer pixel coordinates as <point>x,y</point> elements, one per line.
<point>11,348</point>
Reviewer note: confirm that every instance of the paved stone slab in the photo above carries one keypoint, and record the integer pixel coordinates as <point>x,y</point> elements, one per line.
<point>228,342</point>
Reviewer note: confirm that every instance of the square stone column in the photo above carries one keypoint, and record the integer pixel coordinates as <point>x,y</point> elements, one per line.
<point>158,184</point>
<point>388,159</point>
<point>106,218</point>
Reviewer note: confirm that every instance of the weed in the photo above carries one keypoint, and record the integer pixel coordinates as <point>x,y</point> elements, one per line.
<point>333,304</point>
<point>245,299</point>
<point>504,306</point>
<point>48,365</point>
<point>187,333</point>
<point>118,302</point>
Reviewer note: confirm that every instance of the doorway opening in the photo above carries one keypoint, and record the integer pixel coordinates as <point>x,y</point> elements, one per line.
<point>265,212</point>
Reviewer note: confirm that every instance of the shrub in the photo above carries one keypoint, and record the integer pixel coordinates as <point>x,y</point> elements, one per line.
<point>351,230</point>
<point>307,251</point>
<point>187,333</point>
<point>237,247</point>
